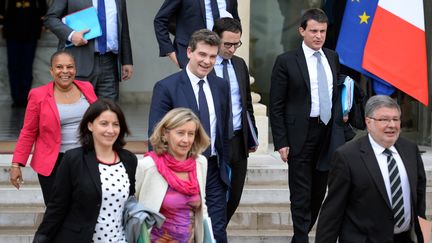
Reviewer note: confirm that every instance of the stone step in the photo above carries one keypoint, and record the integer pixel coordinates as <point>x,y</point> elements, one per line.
<point>16,234</point>
<point>265,195</point>
<point>263,236</point>
<point>26,195</point>
<point>21,216</point>
<point>261,218</point>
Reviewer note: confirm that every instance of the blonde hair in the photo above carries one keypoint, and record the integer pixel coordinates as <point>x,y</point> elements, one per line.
<point>175,118</point>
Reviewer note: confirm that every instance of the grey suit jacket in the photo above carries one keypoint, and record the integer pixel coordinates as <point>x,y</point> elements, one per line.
<point>84,55</point>
<point>357,208</point>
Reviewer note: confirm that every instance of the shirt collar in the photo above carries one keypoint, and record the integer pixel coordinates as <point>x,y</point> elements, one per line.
<point>219,60</point>
<point>309,51</point>
<point>378,149</point>
<point>193,78</point>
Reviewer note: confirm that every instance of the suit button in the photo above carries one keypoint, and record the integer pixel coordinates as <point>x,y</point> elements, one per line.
<point>98,205</point>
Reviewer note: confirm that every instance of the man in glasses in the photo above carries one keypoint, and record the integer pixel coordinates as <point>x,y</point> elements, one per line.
<point>377,187</point>
<point>233,69</point>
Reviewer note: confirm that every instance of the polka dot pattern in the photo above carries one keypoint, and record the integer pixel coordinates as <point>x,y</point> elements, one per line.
<point>115,191</point>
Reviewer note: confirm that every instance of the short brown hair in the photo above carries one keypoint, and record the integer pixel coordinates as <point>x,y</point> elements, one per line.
<point>204,35</point>
<point>173,119</point>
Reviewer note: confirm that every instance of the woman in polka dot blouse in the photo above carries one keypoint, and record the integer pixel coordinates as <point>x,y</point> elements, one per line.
<point>93,182</point>
<point>172,178</point>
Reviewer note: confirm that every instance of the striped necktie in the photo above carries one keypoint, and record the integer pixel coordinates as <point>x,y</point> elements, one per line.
<point>396,189</point>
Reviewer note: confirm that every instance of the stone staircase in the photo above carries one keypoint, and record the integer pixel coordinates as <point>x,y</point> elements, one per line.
<point>263,216</point>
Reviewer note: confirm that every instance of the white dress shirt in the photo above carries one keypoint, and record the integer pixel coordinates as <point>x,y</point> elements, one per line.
<point>209,97</point>
<point>406,192</point>
<point>209,15</point>
<point>111,25</point>
<point>311,61</point>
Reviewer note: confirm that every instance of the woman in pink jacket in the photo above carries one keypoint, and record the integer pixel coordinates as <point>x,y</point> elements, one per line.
<point>51,120</point>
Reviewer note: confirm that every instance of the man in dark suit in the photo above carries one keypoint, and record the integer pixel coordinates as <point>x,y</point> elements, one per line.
<point>302,106</point>
<point>22,26</point>
<point>377,187</point>
<point>234,70</point>
<point>187,16</point>
<point>104,60</point>
<point>208,97</point>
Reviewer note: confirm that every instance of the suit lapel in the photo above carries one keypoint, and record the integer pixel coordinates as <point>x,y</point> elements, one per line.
<point>52,103</point>
<point>188,92</point>
<point>301,61</point>
<point>331,61</point>
<point>371,163</point>
<point>410,166</point>
<point>93,167</point>
<point>215,95</point>
<point>240,75</point>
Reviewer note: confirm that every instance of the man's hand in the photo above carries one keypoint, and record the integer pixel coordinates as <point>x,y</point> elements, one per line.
<point>78,38</point>
<point>127,71</point>
<point>172,56</point>
<point>283,152</point>
<point>16,177</point>
<point>252,150</point>
<point>345,118</point>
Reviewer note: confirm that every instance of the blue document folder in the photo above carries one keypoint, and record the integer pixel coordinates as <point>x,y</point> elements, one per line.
<point>347,95</point>
<point>84,19</point>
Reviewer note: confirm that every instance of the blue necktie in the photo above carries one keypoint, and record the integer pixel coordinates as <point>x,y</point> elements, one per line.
<point>215,9</point>
<point>204,114</point>
<point>323,91</point>
<point>102,40</point>
<point>226,77</point>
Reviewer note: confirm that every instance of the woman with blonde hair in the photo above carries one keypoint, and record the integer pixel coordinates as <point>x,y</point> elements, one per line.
<point>171,179</point>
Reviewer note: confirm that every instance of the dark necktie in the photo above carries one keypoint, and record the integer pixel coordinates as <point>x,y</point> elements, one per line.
<point>204,114</point>
<point>323,91</point>
<point>215,9</point>
<point>102,40</point>
<point>226,77</point>
<point>396,189</point>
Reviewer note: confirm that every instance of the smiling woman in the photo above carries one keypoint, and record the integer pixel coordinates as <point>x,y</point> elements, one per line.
<point>93,182</point>
<point>53,114</point>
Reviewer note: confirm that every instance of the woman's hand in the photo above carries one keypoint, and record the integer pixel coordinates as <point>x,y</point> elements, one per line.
<point>16,175</point>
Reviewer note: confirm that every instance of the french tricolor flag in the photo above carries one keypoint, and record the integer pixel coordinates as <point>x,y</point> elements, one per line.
<point>396,47</point>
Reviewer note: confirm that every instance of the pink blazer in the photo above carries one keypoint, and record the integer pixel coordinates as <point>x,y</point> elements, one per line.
<point>42,128</point>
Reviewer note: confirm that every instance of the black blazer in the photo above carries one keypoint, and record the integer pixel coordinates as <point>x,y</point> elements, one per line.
<point>72,212</point>
<point>189,17</point>
<point>290,102</point>
<point>357,208</point>
<point>176,91</point>
<point>243,79</point>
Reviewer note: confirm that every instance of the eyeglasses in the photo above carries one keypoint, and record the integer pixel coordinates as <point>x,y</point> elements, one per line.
<point>229,44</point>
<point>386,121</point>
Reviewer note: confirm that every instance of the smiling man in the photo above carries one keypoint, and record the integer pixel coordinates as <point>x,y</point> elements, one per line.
<point>377,187</point>
<point>208,97</point>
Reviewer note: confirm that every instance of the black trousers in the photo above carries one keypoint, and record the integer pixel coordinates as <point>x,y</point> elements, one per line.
<point>47,182</point>
<point>307,185</point>
<point>105,76</point>
<point>238,164</point>
<point>20,67</point>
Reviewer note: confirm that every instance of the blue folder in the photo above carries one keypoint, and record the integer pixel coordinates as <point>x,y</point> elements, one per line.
<point>84,19</point>
<point>347,95</point>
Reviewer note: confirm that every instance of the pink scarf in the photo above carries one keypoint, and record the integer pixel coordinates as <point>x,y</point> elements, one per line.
<point>167,165</point>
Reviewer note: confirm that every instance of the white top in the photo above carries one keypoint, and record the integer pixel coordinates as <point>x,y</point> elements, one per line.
<point>209,97</point>
<point>311,61</point>
<point>111,25</point>
<point>115,192</point>
<point>406,192</point>
<point>209,15</point>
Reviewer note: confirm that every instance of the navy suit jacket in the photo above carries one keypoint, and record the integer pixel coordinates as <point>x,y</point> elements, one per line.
<point>176,91</point>
<point>189,16</point>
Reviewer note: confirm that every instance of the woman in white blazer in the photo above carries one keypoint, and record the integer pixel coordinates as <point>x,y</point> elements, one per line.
<point>171,179</point>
